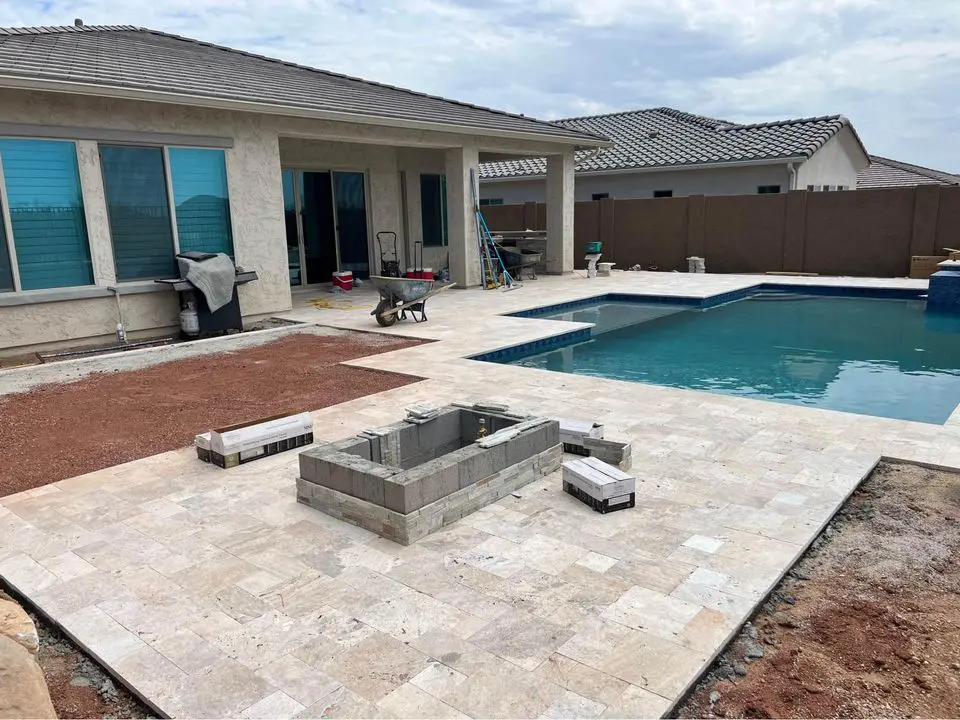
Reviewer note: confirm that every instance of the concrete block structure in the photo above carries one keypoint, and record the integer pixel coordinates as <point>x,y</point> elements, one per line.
<point>440,473</point>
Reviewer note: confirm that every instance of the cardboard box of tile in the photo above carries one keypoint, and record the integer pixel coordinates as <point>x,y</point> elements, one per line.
<point>574,432</point>
<point>923,266</point>
<point>234,445</point>
<point>599,485</point>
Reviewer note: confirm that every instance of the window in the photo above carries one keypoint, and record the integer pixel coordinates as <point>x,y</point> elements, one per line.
<point>662,193</point>
<point>811,188</point>
<point>828,188</point>
<point>491,201</point>
<point>433,209</point>
<point>600,196</point>
<point>842,187</point>
<point>200,200</point>
<point>146,227</point>
<point>768,189</point>
<point>44,204</point>
<point>135,184</point>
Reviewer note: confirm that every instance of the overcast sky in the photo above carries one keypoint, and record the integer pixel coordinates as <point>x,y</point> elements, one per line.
<point>891,66</point>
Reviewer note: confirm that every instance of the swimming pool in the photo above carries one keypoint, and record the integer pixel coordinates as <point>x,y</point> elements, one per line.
<point>883,356</point>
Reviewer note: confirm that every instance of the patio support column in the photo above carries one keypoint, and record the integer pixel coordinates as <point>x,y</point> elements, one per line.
<point>560,181</point>
<point>462,224</point>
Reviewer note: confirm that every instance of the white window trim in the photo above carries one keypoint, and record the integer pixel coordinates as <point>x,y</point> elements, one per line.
<point>8,231</point>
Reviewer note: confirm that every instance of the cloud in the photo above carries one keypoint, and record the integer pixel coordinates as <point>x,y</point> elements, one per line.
<point>891,66</point>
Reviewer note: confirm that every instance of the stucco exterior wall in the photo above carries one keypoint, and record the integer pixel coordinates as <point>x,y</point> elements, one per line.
<point>391,158</point>
<point>704,181</point>
<point>412,163</point>
<point>256,208</point>
<point>26,329</point>
<point>836,163</point>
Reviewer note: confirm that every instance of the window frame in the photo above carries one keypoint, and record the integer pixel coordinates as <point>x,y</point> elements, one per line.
<point>660,194</point>
<point>488,202</point>
<point>767,190</point>
<point>8,235</point>
<point>7,220</point>
<point>165,160</point>
<point>171,199</point>
<point>597,197</point>
<point>443,219</point>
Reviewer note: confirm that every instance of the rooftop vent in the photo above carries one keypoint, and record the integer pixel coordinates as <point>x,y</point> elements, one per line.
<point>78,22</point>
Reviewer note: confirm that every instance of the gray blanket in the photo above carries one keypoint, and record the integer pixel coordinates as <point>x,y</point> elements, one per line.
<point>214,278</point>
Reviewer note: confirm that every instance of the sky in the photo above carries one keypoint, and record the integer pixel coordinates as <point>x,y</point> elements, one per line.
<point>891,66</point>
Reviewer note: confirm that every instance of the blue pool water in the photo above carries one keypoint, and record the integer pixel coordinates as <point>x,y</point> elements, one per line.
<point>883,357</point>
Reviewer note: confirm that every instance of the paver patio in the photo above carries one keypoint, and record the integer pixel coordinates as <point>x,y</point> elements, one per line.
<point>213,593</point>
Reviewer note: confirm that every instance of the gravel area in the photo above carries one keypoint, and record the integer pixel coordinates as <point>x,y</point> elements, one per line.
<point>56,431</point>
<point>20,379</point>
<point>866,625</point>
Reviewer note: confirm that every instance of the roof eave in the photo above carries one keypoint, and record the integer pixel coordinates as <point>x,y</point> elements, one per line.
<point>126,93</point>
<point>662,168</point>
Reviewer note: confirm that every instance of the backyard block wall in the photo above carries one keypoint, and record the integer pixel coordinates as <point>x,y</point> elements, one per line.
<point>870,233</point>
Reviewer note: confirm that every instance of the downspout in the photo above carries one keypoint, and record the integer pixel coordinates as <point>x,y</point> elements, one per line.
<point>793,176</point>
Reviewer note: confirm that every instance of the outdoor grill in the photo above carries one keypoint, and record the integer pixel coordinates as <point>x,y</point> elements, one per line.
<point>196,318</point>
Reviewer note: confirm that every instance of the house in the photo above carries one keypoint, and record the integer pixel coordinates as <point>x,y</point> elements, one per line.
<point>666,153</point>
<point>121,146</point>
<point>886,173</point>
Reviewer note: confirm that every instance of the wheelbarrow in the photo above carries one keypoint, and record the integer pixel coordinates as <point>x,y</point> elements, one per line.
<point>399,296</point>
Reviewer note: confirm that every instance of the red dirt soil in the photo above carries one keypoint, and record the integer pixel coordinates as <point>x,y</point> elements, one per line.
<point>61,430</point>
<point>866,625</point>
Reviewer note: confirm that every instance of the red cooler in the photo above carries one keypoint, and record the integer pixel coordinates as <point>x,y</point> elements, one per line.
<point>343,280</point>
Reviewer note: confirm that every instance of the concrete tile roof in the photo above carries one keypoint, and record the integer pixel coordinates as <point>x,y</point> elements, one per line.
<point>886,173</point>
<point>123,58</point>
<point>664,137</point>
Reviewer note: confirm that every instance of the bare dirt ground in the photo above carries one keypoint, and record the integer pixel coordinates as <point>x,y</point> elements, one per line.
<point>868,622</point>
<point>61,430</point>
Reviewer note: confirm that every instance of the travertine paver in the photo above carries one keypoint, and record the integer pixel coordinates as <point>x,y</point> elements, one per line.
<point>215,594</point>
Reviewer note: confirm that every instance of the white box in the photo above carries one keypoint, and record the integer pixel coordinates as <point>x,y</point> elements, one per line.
<point>598,479</point>
<point>240,439</point>
<point>574,431</point>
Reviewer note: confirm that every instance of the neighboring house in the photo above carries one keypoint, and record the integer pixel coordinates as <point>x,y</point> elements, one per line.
<point>886,173</point>
<point>120,146</point>
<point>664,153</point>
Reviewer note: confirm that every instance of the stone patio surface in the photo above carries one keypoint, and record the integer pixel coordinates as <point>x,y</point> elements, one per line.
<point>213,593</point>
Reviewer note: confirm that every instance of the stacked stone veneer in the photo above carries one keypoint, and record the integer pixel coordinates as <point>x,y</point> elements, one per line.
<point>406,480</point>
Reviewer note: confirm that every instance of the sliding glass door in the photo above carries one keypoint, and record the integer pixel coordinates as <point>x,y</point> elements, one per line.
<point>326,224</point>
<point>351,212</point>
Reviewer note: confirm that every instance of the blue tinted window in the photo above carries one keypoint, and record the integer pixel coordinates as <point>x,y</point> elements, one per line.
<point>6,275</point>
<point>136,190</point>
<point>46,214</point>
<point>200,195</point>
<point>433,209</point>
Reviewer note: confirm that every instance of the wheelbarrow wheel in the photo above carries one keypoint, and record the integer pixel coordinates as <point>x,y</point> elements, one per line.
<point>382,319</point>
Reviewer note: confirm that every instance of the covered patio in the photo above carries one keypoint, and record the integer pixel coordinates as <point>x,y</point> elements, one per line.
<point>340,193</point>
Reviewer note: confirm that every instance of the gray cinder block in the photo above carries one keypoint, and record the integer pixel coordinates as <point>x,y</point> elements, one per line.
<point>610,451</point>
<point>438,478</point>
<point>308,466</point>
<point>439,433</point>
